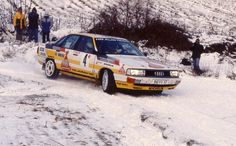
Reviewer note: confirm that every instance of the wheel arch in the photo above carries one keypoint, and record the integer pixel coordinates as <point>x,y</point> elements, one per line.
<point>55,72</point>
<point>49,59</point>
<point>52,60</point>
<point>101,73</point>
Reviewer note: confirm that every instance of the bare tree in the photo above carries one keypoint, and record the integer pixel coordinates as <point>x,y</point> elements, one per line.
<point>148,9</point>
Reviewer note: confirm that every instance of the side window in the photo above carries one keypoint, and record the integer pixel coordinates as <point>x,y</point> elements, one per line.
<point>70,42</point>
<point>85,45</point>
<point>60,42</point>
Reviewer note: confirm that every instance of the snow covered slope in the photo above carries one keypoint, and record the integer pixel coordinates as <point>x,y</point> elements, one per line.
<point>212,20</point>
<point>37,111</point>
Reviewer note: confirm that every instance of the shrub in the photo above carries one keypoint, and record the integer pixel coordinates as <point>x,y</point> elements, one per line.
<point>135,20</point>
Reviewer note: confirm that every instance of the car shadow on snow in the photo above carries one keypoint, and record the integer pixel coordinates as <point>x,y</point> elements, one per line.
<point>97,87</point>
<point>78,81</point>
<point>141,94</point>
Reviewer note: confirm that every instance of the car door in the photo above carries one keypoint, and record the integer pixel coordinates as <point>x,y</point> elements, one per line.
<point>59,51</point>
<point>65,54</point>
<point>86,53</point>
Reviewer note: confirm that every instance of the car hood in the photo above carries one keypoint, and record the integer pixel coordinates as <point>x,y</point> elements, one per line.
<point>130,61</point>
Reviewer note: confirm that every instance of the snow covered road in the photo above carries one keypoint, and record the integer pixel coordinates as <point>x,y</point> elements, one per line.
<point>67,111</point>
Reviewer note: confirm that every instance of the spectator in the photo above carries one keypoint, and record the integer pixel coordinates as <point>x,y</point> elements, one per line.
<point>19,23</point>
<point>33,25</point>
<point>46,25</point>
<point>1,26</point>
<point>197,50</point>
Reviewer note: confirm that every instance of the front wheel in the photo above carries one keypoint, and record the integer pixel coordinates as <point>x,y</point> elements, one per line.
<point>51,70</point>
<point>108,82</point>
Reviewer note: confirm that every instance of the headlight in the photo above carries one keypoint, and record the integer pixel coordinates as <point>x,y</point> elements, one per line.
<point>174,73</point>
<point>135,72</point>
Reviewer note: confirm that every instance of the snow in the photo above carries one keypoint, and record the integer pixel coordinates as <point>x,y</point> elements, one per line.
<point>201,111</point>
<point>215,65</point>
<point>69,111</point>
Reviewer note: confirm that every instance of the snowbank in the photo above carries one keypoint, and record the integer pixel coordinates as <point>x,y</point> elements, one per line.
<point>214,64</point>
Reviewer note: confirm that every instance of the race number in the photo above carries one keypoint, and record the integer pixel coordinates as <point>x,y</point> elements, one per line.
<point>85,59</point>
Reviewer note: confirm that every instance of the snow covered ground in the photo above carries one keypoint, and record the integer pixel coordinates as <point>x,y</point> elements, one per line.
<point>67,111</point>
<point>201,111</point>
<point>214,64</point>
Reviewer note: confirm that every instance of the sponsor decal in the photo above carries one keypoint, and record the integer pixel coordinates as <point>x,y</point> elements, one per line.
<point>41,49</point>
<point>122,70</point>
<point>75,53</point>
<point>65,65</point>
<point>99,62</point>
<point>156,88</point>
<point>110,65</point>
<point>121,84</point>
<point>74,70</point>
<point>109,60</point>
<point>137,88</point>
<point>85,59</point>
<point>50,56</point>
<point>111,39</point>
<point>60,55</point>
<point>62,49</point>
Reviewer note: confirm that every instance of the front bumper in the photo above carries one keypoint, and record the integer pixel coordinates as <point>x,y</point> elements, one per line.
<point>146,83</point>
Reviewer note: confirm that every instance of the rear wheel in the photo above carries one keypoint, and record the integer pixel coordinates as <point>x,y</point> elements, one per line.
<point>51,70</point>
<point>108,82</point>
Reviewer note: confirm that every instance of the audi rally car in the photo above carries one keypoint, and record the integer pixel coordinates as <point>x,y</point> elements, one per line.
<point>114,62</point>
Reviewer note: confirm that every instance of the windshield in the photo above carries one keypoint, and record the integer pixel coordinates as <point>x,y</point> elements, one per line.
<point>117,47</point>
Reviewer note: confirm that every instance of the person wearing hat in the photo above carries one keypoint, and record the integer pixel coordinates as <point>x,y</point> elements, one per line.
<point>19,23</point>
<point>33,25</point>
<point>197,49</point>
<point>46,25</point>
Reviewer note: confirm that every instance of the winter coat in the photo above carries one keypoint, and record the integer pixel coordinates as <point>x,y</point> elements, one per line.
<point>33,20</point>
<point>197,50</point>
<point>19,21</point>
<point>46,24</point>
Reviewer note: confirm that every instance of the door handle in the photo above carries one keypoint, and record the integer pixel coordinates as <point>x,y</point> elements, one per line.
<point>75,54</point>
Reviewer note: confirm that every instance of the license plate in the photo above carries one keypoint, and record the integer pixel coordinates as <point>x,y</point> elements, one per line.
<point>162,82</point>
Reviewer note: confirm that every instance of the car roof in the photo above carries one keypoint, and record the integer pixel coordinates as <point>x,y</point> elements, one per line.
<point>99,36</point>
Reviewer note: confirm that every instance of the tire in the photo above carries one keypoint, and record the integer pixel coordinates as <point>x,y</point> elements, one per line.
<point>108,82</point>
<point>51,70</point>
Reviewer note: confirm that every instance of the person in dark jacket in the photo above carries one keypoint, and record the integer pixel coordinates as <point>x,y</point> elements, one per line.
<point>46,25</point>
<point>197,50</point>
<point>33,25</point>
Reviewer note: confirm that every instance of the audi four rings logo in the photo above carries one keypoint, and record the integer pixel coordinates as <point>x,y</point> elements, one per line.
<point>158,73</point>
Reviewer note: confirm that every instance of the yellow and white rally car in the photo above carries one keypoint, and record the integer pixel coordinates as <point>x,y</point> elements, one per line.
<point>114,62</point>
